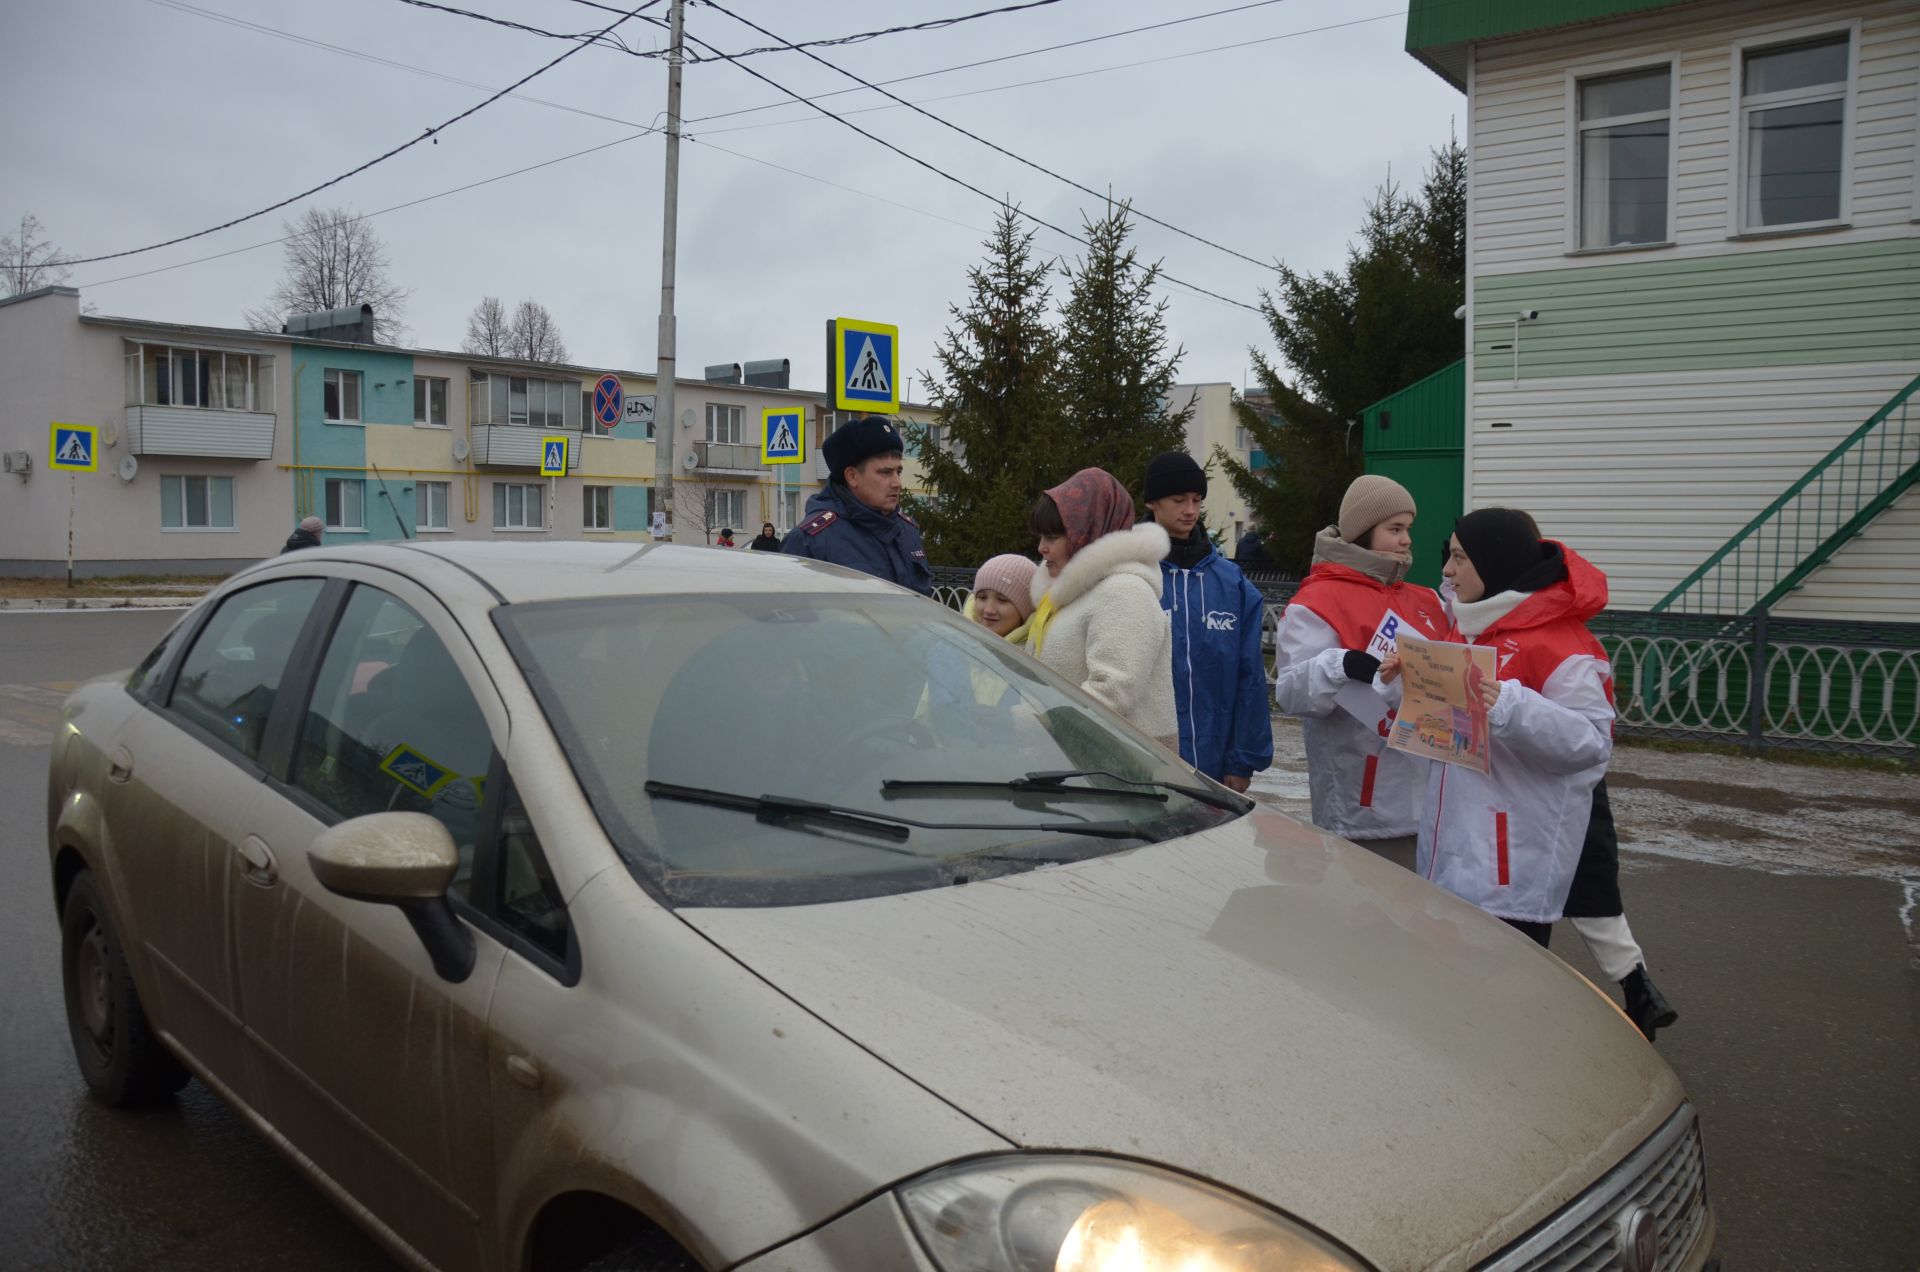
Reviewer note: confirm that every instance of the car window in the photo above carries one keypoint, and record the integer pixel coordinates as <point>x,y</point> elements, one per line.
<point>528,901</point>
<point>230,675</point>
<point>145,679</point>
<point>680,713</point>
<point>392,725</point>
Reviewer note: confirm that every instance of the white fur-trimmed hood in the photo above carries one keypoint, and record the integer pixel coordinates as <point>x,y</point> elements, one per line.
<point>1137,550</point>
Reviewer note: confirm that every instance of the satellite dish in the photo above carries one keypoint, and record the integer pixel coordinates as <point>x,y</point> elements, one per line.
<point>460,449</point>
<point>129,468</point>
<point>690,461</point>
<point>109,435</point>
<point>687,417</point>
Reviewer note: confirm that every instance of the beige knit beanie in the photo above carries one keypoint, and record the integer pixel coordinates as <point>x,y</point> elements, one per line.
<point>1369,501</point>
<point>1012,577</point>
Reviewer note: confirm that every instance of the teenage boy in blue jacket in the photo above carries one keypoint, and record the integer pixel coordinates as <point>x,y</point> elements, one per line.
<point>1219,675</point>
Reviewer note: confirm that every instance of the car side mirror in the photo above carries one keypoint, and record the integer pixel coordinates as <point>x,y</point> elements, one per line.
<point>404,860</point>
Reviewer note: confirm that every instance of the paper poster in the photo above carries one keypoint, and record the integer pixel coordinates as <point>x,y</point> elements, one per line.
<point>1385,637</point>
<point>1358,700</point>
<point>1441,715</point>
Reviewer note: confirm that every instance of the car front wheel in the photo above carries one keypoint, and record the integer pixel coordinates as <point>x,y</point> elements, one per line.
<point>121,1058</point>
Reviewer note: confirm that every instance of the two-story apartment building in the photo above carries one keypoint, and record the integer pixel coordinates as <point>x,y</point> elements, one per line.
<point>216,441</point>
<point>1693,275</point>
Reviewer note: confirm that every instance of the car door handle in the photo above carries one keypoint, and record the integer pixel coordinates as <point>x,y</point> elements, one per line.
<point>257,863</point>
<point>120,765</point>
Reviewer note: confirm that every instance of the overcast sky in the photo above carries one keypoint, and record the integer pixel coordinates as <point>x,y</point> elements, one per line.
<point>135,121</point>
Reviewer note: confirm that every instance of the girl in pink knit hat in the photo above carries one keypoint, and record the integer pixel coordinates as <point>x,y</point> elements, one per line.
<point>1002,600</point>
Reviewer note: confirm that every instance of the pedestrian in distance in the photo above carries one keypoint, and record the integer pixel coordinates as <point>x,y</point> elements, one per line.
<point>305,535</point>
<point>1345,618</point>
<point>766,540</point>
<point>1096,607</point>
<point>1251,551</point>
<point>726,538</point>
<point>856,521</point>
<point>1002,597</point>
<point>1219,670</point>
<point>1509,840</point>
<point>1599,915</point>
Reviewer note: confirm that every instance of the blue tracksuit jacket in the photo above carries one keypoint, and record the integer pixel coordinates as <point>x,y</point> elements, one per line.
<point>1219,674</point>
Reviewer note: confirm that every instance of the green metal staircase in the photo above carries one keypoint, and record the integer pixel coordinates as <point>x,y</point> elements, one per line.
<point>1818,515</point>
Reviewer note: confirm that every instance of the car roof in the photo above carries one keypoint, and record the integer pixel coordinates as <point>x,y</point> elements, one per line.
<point>522,572</point>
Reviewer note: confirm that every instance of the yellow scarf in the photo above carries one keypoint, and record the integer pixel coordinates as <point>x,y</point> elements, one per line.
<point>1037,625</point>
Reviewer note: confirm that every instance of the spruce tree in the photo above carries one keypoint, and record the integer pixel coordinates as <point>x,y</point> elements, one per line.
<point>1001,435</point>
<point>1350,338</point>
<point>1116,373</point>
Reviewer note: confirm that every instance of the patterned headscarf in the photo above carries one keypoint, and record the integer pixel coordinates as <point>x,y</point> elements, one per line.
<point>1092,503</point>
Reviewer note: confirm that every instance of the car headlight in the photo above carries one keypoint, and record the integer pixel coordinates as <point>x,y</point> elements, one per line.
<point>1060,1213</point>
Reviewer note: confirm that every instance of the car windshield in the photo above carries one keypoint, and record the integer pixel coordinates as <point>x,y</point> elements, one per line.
<point>745,750</point>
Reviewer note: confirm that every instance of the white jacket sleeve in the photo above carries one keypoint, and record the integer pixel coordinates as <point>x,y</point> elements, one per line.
<point>1566,727</point>
<point>1124,645</point>
<point>1309,664</point>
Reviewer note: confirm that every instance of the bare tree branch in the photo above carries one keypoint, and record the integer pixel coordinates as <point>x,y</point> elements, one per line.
<point>28,260</point>
<point>487,329</point>
<point>534,335</point>
<point>334,260</point>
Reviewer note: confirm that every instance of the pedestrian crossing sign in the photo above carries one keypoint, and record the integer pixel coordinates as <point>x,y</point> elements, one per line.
<point>75,448</point>
<point>415,771</point>
<point>866,366</point>
<point>783,434</point>
<point>553,456</point>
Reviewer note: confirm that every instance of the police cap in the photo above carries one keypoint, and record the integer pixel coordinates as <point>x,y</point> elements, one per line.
<point>859,440</point>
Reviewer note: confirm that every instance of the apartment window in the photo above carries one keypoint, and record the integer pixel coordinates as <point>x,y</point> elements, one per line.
<point>196,503</point>
<point>430,500</point>
<point>1624,143</point>
<point>519,507</point>
<point>597,507</point>
<point>346,499</point>
<point>723,424</point>
<point>726,509</point>
<point>211,379</point>
<point>1793,133</point>
<point>430,400</point>
<point>1242,439</point>
<point>529,401</point>
<point>340,396</point>
<point>789,510</point>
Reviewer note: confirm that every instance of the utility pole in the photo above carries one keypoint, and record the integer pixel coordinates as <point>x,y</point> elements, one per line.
<point>666,420</point>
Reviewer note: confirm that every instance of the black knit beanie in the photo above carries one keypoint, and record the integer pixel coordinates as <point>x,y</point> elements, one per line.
<point>1174,473</point>
<point>1504,550</point>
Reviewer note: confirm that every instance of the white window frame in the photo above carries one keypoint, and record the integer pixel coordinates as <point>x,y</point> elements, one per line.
<point>210,528</point>
<point>1600,70</point>
<point>589,496</point>
<point>729,415</point>
<point>255,391</point>
<point>1737,124</point>
<point>423,395</point>
<point>717,522</point>
<point>359,394</point>
<point>343,528</point>
<point>420,494</point>
<point>532,494</point>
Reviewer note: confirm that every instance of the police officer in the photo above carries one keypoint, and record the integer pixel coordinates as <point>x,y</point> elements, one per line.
<point>856,521</point>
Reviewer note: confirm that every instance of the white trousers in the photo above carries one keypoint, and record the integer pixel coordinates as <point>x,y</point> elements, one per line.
<point>1611,943</point>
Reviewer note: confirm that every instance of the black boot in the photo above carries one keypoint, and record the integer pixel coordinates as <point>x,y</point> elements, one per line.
<point>1646,1005</point>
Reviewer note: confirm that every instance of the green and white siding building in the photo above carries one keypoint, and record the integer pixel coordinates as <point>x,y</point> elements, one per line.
<point>1693,271</point>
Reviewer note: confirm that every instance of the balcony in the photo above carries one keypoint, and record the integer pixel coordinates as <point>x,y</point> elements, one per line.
<point>199,432</point>
<point>726,457</point>
<point>517,446</point>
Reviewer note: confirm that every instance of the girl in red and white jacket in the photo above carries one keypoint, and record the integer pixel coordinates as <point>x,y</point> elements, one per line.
<point>1508,840</point>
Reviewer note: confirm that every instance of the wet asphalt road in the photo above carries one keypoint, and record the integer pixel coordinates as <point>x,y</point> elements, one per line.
<point>1800,1043</point>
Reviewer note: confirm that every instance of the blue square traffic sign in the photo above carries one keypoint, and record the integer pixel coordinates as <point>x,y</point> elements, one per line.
<point>866,370</point>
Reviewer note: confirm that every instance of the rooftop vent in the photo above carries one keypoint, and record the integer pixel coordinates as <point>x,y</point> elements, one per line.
<point>769,373</point>
<point>723,373</point>
<point>352,325</point>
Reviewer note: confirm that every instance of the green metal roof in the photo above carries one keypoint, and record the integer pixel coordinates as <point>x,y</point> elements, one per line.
<point>1440,31</point>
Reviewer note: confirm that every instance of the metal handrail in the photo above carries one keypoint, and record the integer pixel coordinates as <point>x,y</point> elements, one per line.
<point>1841,498</point>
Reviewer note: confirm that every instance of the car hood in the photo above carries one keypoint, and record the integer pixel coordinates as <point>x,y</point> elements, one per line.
<point>1260,1004</point>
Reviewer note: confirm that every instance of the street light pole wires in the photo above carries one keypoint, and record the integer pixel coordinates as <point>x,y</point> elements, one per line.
<point>428,134</point>
<point>994,146</point>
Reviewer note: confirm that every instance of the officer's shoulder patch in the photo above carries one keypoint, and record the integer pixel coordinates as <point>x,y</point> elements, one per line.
<point>902,514</point>
<point>819,521</point>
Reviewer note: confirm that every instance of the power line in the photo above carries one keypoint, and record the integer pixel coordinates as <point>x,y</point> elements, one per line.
<point>994,146</point>
<point>601,38</point>
<point>934,24</point>
<point>382,158</point>
<point>948,176</point>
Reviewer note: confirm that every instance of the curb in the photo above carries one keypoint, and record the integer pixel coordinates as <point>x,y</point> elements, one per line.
<point>96,602</point>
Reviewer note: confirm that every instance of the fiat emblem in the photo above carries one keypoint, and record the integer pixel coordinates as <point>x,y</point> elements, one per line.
<point>1639,1239</point>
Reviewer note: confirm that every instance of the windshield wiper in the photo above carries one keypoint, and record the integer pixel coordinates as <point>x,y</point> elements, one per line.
<point>777,809</point>
<point>1045,781</point>
<point>894,788</point>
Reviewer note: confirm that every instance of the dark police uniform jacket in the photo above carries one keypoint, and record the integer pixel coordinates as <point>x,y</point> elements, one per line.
<point>841,529</point>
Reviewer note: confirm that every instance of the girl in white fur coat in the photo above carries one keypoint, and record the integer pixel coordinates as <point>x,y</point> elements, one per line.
<point>1097,618</point>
